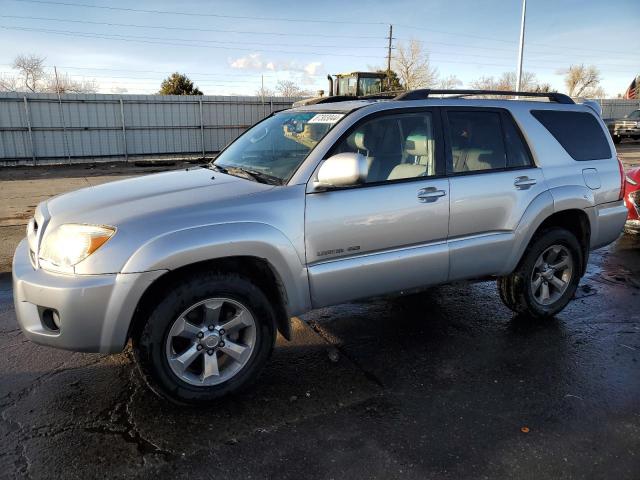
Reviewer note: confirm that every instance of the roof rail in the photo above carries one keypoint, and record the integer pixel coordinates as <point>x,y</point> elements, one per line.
<point>424,93</point>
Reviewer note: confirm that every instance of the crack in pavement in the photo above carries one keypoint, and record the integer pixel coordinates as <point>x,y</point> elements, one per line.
<point>334,342</point>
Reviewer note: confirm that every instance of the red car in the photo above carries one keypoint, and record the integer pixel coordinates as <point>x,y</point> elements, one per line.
<point>632,200</point>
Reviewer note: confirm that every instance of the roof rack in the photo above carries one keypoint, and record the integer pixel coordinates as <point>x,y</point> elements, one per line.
<point>424,93</point>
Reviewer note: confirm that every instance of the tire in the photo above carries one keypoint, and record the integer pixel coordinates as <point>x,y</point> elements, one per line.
<point>523,291</point>
<point>617,139</point>
<point>178,365</point>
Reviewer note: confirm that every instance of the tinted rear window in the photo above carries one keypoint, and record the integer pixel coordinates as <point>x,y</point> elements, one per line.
<point>578,132</point>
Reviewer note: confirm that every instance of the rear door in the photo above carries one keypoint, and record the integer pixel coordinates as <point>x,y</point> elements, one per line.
<point>493,180</point>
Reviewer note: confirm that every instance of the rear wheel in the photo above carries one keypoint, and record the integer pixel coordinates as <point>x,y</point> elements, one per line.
<point>209,336</point>
<point>617,139</point>
<point>547,277</point>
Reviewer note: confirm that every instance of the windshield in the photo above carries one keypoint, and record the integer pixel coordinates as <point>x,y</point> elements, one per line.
<point>274,148</point>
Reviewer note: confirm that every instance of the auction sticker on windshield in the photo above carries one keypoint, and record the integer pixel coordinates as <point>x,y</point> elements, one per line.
<point>326,118</point>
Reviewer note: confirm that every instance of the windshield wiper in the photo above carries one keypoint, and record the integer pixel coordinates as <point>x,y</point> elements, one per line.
<point>260,176</point>
<point>247,173</point>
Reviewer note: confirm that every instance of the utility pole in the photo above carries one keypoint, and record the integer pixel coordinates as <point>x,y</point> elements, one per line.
<point>521,49</point>
<point>389,57</point>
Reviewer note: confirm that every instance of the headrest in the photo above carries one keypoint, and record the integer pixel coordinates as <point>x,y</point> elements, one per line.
<point>357,140</point>
<point>417,144</point>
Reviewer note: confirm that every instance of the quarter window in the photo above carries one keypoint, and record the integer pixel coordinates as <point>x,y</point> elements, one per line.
<point>476,141</point>
<point>579,133</point>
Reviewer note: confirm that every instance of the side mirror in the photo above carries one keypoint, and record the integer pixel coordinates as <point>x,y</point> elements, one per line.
<point>342,170</point>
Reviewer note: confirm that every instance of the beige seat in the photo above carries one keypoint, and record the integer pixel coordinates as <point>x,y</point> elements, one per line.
<point>419,149</point>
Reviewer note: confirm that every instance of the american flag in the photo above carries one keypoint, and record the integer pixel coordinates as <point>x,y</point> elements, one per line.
<point>632,91</point>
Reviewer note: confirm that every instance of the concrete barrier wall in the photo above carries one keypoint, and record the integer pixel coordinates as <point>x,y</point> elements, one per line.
<point>40,128</point>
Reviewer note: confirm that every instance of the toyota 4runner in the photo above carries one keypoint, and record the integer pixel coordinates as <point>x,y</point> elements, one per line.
<point>315,206</point>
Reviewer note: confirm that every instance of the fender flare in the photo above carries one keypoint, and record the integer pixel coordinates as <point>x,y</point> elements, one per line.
<point>180,248</point>
<point>549,202</point>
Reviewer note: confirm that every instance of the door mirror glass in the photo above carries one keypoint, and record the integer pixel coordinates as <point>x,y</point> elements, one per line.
<point>342,170</point>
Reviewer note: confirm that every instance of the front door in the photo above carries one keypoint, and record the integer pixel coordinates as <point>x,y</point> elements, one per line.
<point>388,234</point>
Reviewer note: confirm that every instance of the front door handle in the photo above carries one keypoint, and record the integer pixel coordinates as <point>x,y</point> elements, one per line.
<point>523,183</point>
<point>430,194</point>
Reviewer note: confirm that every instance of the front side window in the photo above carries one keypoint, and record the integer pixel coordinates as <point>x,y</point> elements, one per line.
<point>476,141</point>
<point>272,150</point>
<point>396,146</point>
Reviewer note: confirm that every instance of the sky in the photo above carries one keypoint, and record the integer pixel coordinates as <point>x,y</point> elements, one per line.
<point>230,46</point>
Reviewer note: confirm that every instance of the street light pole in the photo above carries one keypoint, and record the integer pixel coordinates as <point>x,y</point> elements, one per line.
<point>521,49</point>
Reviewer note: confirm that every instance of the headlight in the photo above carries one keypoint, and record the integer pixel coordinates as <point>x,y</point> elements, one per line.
<point>629,180</point>
<point>69,244</point>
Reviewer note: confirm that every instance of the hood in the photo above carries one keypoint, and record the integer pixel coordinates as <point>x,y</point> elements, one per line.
<point>114,202</point>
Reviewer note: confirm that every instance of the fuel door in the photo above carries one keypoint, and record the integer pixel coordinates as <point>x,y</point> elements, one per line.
<point>591,178</point>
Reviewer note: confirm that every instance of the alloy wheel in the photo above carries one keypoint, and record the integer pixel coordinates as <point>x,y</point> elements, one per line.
<point>211,341</point>
<point>552,274</point>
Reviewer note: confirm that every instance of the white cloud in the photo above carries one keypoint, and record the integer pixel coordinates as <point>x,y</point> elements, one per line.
<point>255,61</point>
<point>312,68</point>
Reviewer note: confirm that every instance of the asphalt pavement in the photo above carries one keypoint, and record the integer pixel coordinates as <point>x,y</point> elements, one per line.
<point>445,384</point>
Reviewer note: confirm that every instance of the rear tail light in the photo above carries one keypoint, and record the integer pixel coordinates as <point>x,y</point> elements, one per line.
<point>622,179</point>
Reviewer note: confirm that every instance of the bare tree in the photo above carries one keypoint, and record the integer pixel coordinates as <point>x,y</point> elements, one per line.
<point>449,83</point>
<point>65,84</point>
<point>265,92</point>
<point>287,88</point>
<point>583,81</point>
<point>411,63</point>
<point>31,71</point>
<point>507,82</point>
<point>9,83</point>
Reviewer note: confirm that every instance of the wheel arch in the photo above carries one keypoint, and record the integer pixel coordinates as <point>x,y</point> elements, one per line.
<point>259,251</point>
<point>256,269</point>
<point>548,211</point>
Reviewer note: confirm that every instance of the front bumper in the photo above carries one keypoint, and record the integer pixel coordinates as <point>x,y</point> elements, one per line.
<point>626,132</point>
<point>94,311</point>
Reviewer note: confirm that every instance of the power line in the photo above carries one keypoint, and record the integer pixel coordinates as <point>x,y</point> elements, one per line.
<point>149,71</point>
<point>247,32</point>
<point>200,14</point>
<point>197,44</point>
<point>142,39</point>
<point>513,42</point>
<point>190,28</point>
<point>300,20</point>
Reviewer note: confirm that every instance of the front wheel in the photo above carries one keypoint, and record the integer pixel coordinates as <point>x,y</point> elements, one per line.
<point>546,278</point>
<point>209,336</point>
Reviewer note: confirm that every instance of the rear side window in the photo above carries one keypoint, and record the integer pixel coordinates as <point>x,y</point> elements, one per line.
<point>517,152</point>
<point>476,141</point>
<point>579,133</point>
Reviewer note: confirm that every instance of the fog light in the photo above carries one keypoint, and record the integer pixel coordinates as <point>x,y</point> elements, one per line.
<point>50,319</point>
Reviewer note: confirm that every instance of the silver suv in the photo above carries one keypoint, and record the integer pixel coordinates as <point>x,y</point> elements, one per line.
<point>315,206</point>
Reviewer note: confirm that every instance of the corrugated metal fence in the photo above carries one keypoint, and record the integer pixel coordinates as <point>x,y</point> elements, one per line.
<point>617,108</point>
<point>40,128</point>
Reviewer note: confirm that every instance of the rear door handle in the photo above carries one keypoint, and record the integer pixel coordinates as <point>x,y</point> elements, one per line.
<point>523,183</point>
<point>430,194</point>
